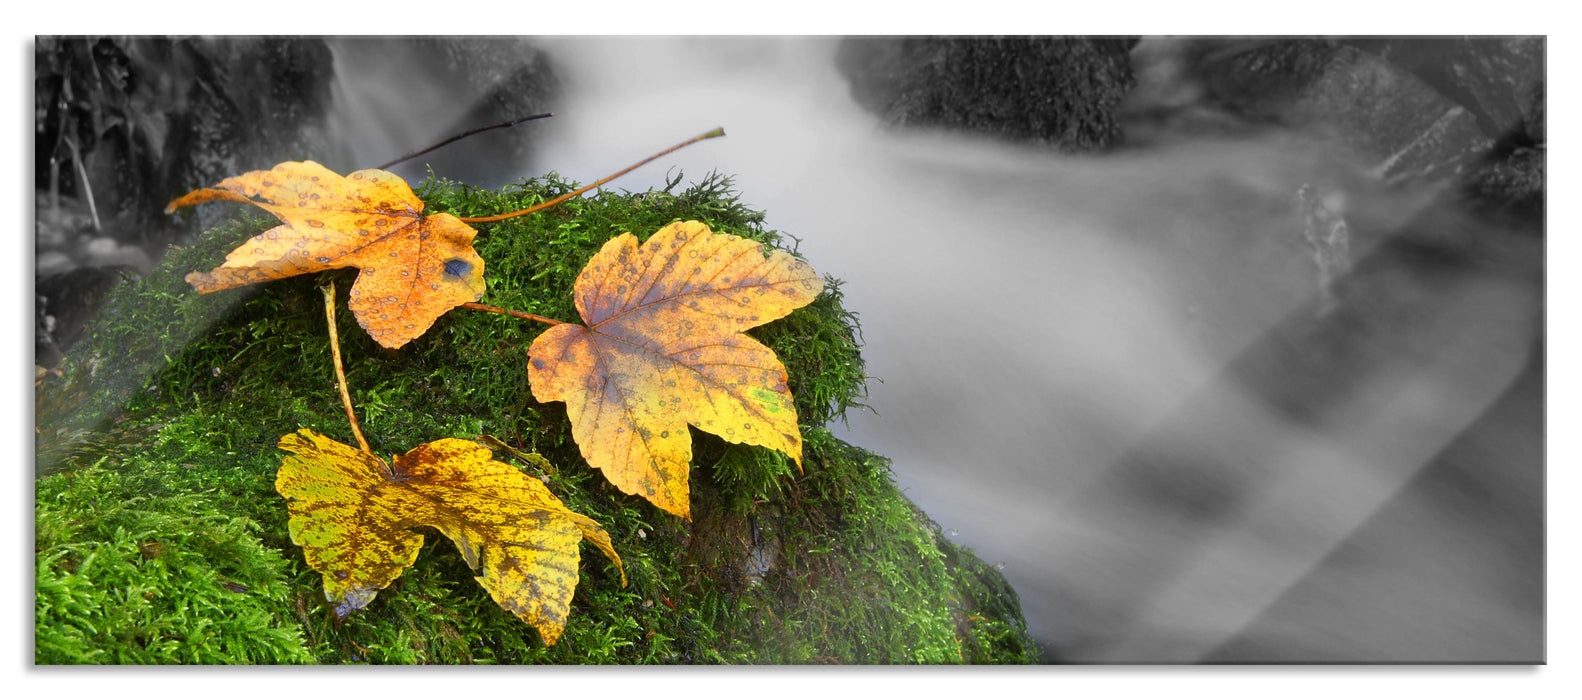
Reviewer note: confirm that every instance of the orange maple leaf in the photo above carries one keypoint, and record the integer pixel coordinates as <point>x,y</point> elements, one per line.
<point>663,348</point>
<point>414,268</point>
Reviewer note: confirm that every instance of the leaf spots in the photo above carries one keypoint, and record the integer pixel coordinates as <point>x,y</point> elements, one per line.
<point>326,225</point>
<point>664,347</point>
<point>458,268</point>
<point>344,511</point>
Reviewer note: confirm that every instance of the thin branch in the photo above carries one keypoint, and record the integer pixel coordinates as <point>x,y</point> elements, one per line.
<point>508,312</point>
<point>87,187</point>
<point>569,195</point>
<point>463,135</point>
<point>340,375</point>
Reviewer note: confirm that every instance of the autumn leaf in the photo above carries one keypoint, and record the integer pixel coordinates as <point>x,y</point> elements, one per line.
<point>352,513</point>
<point>663,348</point>
<point>414,267</point>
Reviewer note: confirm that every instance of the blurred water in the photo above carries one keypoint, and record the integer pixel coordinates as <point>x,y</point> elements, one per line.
<point>1112,374</point>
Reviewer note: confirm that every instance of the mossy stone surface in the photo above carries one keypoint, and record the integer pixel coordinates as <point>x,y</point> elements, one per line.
<point>160,538</point>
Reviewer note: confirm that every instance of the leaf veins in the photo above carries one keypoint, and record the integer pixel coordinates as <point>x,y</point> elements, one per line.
<point>663,347</point>
<point>414,268</point>
<point>352,513</point>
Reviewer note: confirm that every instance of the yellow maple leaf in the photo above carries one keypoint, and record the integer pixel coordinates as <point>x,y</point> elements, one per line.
<point>663,348</point>
<point>352,512</point>
<point>414,268</point>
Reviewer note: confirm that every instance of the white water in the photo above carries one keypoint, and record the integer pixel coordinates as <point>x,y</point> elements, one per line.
<point>1040,321</point>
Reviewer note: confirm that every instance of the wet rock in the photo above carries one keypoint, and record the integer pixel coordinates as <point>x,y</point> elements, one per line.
<point>1492,77</point>
<point>1533,121</point>
<point>1058,91</point>
<point>65,302</point>
<point>175,401</point>
<point>1363,101</point>
<point>1509,184</point>
<point>123,125</point>
<point>1512,186</point>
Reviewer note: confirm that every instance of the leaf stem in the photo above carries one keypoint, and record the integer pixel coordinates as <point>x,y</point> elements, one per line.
<point>463,135</point>
<point>486,219</point>
<point>509,312</point>
<point>340,374</point>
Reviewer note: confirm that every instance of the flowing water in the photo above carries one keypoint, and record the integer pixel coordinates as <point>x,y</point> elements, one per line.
<point>1075,355</point>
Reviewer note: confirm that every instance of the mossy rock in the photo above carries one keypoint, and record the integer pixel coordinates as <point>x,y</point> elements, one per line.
<point>160,538</point>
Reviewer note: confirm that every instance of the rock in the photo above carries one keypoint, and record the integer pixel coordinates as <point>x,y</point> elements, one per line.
<point>1492,77</point>
<point>165,426</point>
<point>1508,184</point>
<point>1062,92</point>
<point>1533,121</point>
<point>124,125</point>
<point>67,300</point>
<point>1511,186</point>
<point>145,119</point>
<point>1364,102</point>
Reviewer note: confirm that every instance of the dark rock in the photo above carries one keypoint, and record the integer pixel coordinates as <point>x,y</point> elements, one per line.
<point>1511,187</point>
<point>1492,77</point>
<point>1058,91</point>
<point>124,125</point>
<point>65,304</point>
<point>1533,123</point>
<point>1508,186</point>
<point>1390,116</point>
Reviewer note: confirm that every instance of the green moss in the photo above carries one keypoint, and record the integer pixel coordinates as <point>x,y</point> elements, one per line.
<point>159,524</point>
<point>132,569</point>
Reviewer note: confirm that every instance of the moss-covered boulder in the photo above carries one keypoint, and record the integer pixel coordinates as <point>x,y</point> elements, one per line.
<point>160,538</point>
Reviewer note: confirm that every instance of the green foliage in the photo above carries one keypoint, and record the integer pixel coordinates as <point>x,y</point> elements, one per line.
<point>829,565</point>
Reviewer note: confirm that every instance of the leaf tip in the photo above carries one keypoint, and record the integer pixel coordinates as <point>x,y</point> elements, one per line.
<point>200,282</point>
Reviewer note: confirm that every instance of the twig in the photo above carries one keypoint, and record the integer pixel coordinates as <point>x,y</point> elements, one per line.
<point>82,174</point>
<point>509,312</point>
<point>340,375</point>
<point>463,135</point>
<point>569,195</point>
